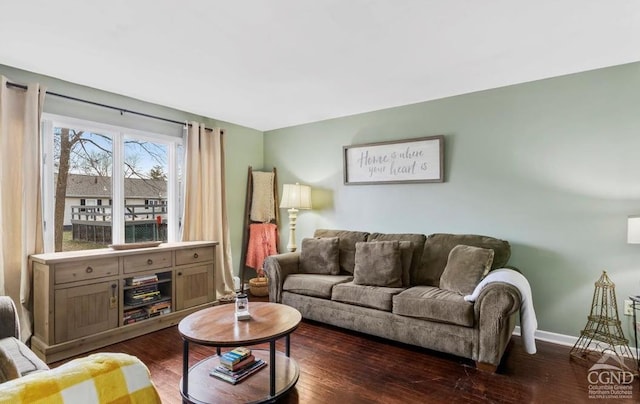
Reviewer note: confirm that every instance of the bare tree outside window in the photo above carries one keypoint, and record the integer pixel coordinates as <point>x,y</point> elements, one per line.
<point>83,170</point>
<point>77,152</point>
<point>146,220</point>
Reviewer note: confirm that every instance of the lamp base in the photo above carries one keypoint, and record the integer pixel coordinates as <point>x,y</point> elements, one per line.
<point>293,216</point>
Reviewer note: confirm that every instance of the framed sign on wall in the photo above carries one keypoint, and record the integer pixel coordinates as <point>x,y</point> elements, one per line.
<point>395,161</point>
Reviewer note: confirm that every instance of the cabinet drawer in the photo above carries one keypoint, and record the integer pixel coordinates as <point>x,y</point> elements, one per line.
<point>194,255</point>
<point>82,270</point>
<point>146,262</point>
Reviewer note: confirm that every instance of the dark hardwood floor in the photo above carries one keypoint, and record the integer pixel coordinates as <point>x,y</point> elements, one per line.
<point>340,366</point>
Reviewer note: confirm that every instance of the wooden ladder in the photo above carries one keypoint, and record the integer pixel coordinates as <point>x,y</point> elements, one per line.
<point>248,222</point>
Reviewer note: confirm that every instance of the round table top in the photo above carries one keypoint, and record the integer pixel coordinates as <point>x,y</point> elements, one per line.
<point>218,325</point>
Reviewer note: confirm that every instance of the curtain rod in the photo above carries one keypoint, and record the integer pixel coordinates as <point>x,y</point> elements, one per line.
<point>97,104</point>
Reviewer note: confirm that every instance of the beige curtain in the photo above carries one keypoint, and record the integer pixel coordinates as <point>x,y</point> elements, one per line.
<point>20,197</point>
<point>205,208</point>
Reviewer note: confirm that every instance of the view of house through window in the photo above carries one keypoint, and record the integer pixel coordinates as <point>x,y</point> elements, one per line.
<point>145,191</point>
<point>107,186</point>
<point>82,183</point>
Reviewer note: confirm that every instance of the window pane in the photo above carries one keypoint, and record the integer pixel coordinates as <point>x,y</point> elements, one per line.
<point>145,176</point>
<point>82,185</point>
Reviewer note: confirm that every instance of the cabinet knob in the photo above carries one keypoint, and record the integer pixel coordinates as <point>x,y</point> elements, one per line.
<point>149,261</point>
<point>179,273</point>
<point>89,270</point>
<point>195,255</point>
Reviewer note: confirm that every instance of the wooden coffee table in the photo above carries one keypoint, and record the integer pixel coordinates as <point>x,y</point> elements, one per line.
<point>217,326</point>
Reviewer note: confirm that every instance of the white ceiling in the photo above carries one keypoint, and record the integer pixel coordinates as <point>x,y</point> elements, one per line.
<point>268,64</point>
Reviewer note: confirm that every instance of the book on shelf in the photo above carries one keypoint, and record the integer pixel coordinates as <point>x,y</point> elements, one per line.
<point>239,365</point>
<point>131,297</point>
<point>134,320</point>
<point>225,374</point>
<point>141,291</point>
<point>134,315</point>
<point>159,313</point>
<point>141,280</point>
<point>240,371</point>
<point>159,307</point>
<point>234,356</point>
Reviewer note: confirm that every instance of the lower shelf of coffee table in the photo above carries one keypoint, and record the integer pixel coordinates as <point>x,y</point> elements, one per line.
<point>204,388</point>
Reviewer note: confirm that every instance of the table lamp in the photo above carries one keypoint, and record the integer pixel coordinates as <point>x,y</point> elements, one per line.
<point>294,197</point>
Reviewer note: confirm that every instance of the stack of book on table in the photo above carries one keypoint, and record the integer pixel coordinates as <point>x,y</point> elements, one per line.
<point>236,365</point>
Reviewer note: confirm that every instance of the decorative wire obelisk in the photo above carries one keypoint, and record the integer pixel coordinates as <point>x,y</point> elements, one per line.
<point>603,333</point>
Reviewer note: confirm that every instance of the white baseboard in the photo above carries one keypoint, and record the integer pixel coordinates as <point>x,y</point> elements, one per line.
<point>554,338</point>
<point>568,340</point>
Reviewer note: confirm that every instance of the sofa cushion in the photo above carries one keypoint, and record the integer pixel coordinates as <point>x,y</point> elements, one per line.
<point>347,245</point>
<point>313,284</point>
<point>378,264</point>
<point>320,256</point>
<point>437,249</point>
<point>406,257</point>
<point>431,303</point>
<point>24,359</point>
<point>376,297</point>
<point>465,267</point>
<point>418,246</point>
<point>8,369</point>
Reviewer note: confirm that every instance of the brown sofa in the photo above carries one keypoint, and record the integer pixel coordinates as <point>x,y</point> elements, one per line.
<point>404,287</point>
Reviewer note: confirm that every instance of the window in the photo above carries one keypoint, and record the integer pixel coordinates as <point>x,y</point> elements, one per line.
<point>87,164</point>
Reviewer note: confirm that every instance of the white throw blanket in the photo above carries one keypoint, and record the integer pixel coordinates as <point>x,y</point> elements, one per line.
<point>262,201</point>
<point>528,321</point>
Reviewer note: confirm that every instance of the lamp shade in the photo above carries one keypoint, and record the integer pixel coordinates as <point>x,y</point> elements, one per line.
<point>633,230</point>
<point>296,196</point>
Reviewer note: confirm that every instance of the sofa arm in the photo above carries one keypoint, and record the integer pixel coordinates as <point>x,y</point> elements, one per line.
<point>97,378</point>
<point>9,324</point>
<point>277,268</point>
<point>494,310</point>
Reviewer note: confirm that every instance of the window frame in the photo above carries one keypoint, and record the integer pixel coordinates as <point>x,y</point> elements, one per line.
<point>118,135</point>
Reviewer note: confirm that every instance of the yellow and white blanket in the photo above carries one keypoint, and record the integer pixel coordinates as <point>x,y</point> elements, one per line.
<point>97,378</point>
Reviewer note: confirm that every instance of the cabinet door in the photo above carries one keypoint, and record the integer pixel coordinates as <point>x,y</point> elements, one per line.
<point>194,286</point>
<point>85,310</point>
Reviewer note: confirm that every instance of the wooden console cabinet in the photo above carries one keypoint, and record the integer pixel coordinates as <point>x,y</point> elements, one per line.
<point>83,299</point>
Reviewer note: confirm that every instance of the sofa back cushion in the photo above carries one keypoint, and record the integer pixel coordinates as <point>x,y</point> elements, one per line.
<point>406,257</point>
<point>320,256</point>
<point>378,264</point>
<point>465,267</point>
<point>418,246</point>
<point>346,245</point>
<point>438,246</point>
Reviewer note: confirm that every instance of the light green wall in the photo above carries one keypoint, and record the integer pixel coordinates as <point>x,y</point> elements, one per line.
<point>552,166</point>
<point>243,146</point>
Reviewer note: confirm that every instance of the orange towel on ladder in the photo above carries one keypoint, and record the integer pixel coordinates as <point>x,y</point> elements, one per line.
<point>262,243</point>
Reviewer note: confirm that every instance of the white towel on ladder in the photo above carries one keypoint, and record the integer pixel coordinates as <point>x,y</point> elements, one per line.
<point>262,200</point>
